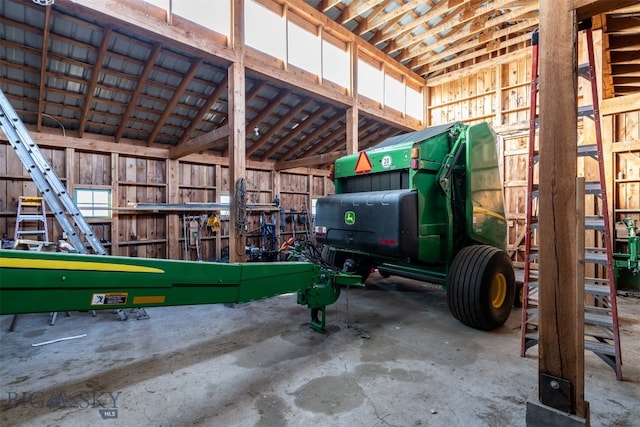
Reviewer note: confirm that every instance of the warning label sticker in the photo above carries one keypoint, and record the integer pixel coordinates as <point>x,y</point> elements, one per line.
<point>109,299</point>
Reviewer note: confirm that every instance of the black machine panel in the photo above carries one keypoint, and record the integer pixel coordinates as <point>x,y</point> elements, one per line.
<point>379,222</point>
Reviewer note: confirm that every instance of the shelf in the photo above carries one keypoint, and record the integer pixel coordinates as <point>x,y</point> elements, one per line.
<point>197,187</point>
<point>140,184</point>
<point>141,242</point>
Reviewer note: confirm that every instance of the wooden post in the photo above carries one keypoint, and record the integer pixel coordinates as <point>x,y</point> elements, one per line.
<point>237,131</point>
<point>173,219</point>
<point>352,130</point>
<point>558,374</point>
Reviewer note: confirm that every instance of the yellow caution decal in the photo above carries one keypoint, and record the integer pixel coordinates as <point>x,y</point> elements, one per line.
<point>42,264</point>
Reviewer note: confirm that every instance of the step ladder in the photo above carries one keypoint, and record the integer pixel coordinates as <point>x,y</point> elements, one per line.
<point>45,178</point>
<point>31,219</point>
<point>602,335</point>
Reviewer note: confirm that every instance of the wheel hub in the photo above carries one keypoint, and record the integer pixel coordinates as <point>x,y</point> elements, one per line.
<point>498,290</point>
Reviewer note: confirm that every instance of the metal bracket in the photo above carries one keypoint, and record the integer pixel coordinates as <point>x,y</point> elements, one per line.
<point>555,392</point>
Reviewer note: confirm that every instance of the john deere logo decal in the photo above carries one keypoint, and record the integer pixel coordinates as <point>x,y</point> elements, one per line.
<point>349,217</point>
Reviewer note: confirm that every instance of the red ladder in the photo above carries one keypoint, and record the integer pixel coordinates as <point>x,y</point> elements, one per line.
<point>602,335</point>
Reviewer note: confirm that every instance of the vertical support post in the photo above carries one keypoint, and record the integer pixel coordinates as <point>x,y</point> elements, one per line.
<point>558,158</point>
<point>173,219</point>
<point>352,130</point>
<point>559,387</point>
<point>237,135</point>
<point>115,199</point>
<point>497,119</point>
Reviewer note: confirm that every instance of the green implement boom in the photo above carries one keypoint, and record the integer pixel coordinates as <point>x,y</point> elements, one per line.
<point>32,282</point>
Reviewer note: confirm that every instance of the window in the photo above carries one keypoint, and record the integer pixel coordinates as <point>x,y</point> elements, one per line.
<point>215,15</point>
<point>393,93</point>
<point>370,81</point>
<point>93,203</point>
<point>257,20</point>
<point>415,103</point>
<point>224,199</point>
<point>304,49</point>
<point>335,64</point>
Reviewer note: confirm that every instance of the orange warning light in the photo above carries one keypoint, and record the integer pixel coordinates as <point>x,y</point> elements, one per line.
<point>364,164</point>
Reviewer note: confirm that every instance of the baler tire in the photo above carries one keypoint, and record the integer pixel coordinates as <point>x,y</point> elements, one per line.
<point>481,287</point>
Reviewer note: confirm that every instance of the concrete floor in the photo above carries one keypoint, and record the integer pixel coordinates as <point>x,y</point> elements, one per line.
<point>394,356</point>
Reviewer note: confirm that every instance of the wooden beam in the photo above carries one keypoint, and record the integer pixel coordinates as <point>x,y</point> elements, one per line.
<point>199,143</point>
<point>355,9</point>
<point>589,8</point>
<point>558,322</point>
<point>206,107</point>
<point>43,65</point>
<point>237,126</point>
<point>177,93</point>
<point>309,139</point>
<point>307,123</point>
<point>352,130</point>
<point>290,116</point>
<point>312,161</point>
<point>620,104</point>
<point>364,27</point>
<point>459,37</point>
<point>393,29</point>
<point>140,83</point>
<point>138,16</point>
<point>95,73</point>
<point>266,112</point>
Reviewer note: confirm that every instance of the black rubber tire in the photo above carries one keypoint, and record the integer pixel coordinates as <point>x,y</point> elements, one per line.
<point>519,299</point>
<point>474,272</point>
<point>333,257</point>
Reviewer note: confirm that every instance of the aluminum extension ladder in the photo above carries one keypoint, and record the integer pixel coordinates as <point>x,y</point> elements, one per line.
<point>45,178</point>
<point>602,334</point>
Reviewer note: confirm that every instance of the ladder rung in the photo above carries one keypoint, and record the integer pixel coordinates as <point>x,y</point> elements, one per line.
<point>594,223</point>
<point>22,232</point>
<point>597,289</point>
<point>588,150</point>
<point>593,187</point>
<point>598,319</point>
<point>600,347</point>
<point>585,110</point>
<point>597,281</point>
<point>30,201</point>
<point>31,218</point>
<point>595,258</point>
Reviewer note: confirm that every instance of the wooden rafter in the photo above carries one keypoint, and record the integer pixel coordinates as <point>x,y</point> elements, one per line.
<point>468,13</point>
<point>387,33</point>
<point>364,27</point>
<point>355,9</point>
<point>382,18</point>
<point>337,119</point>
<point>168,109</point>
<point>140,83</point>
<point>288,117</point>
<point>490,47</point>
<point>43,66</point>
<point>478,25</point>
<point>200,143</point>
<point>95,74</point>
<point>300,131</point>
<point>204,110</point>
<point>266,112</point>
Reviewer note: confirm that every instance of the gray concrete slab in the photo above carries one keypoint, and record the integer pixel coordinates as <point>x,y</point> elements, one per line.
<point>394,356</point>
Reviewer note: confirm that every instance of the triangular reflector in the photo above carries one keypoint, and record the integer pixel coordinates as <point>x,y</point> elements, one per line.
<point>363,165</point>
